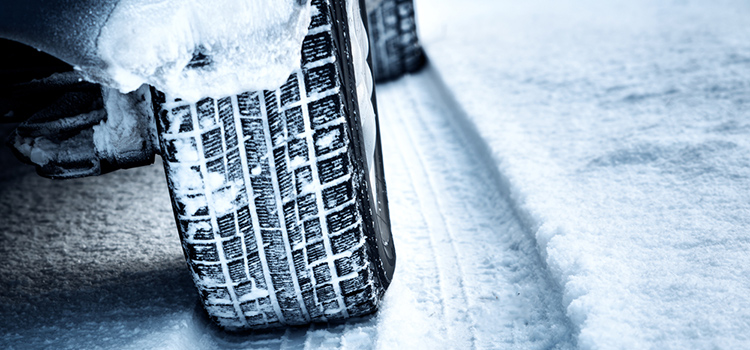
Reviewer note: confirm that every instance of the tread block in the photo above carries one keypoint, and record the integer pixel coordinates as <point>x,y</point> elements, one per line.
<point>293,230</point>
<point>322,273</point>
<point>341,219</point>
<point>363,296</point>
<point>248,307</point>
<point>237,271</point>
<point>245,287</point>
<point>317,47</point>
<point>180,115</point>
<point>210,274</point>
<point>276,124</point>
<point>307,206</point>
<point>265,204</point>
<point>256,270</point>
<point>346,240</point>
<point>225,312</point>
<point>362,309</point>
<point>215,293</point>
<point>315,310</point>
<point>282,174</point>
<point>256,154</point>
<point>331,305</point>
<point>303,177</point>
<point>192,205</point>
<point>274,246</point>
<point>216,166</point>
<point>355,284</point>
<point>329,139</point>
<point>303,277</point>
<point>252,128</point>
<point>244,221</point>
<point>223,192</point>
<point>320,79</point>
<point>265,304</point>
<point>181,150</point>
<point>232,248</point>
<point>315,252</point>
<point>249,105</point>
<point>343,266</point>
<point>206,113</point>
<point>255,319</point>
<point>197,229</point>
<point>325,293</point>
<point>324,110</point>
<point>321,16</point>
<point>290,91</point>
<point>203,252</point>
<point>251,244</point>
<point>295,123</point>
<point>298,151</point>
<point>226,225</point>
<point>212,145</point>
<point>227,119</point>
<point>313,231</point>
<point>295,235</point>
<point>337,195</point>
<point>359,257</point>
<point>234,166</point>
<point>333,168</point>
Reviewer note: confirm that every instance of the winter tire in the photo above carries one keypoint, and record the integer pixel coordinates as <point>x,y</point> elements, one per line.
<point>393,38</point>
<point>280,218</point>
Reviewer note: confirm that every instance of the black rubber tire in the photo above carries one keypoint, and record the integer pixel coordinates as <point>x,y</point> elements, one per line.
<point>393,39</point>
<point>272,196</point>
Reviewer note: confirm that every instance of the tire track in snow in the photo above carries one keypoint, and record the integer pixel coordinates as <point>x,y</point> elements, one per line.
<point>509,301</point>
<point>459,327</point>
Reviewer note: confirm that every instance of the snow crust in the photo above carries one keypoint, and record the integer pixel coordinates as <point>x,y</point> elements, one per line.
<point>247,45</point>
<point>620,129</point>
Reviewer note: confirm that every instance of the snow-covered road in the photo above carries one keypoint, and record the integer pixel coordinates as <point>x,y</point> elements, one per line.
<point>563,174</point>
<point>96,262</point>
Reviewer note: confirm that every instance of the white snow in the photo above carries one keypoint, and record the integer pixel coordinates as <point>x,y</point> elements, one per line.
<point>620,129</point>
<point>564,174</point>
<point>255,48</point>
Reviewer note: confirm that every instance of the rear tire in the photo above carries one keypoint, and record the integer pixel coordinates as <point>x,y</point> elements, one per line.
<point>272,196</point>
<point>394,41</point>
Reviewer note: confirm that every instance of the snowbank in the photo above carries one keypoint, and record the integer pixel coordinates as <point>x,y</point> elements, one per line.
<point>622,132</point>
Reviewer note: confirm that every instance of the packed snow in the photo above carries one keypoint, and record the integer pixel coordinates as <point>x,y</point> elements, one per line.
<point>621,131</point>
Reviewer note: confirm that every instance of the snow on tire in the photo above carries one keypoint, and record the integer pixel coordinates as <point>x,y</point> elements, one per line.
<point>393,38</point>
<point>272,197</point>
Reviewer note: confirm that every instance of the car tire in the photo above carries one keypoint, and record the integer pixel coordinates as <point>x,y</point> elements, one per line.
<point>280,219</point>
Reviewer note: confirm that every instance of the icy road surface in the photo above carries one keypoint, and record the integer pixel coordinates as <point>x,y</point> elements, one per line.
<point>96,262</point>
